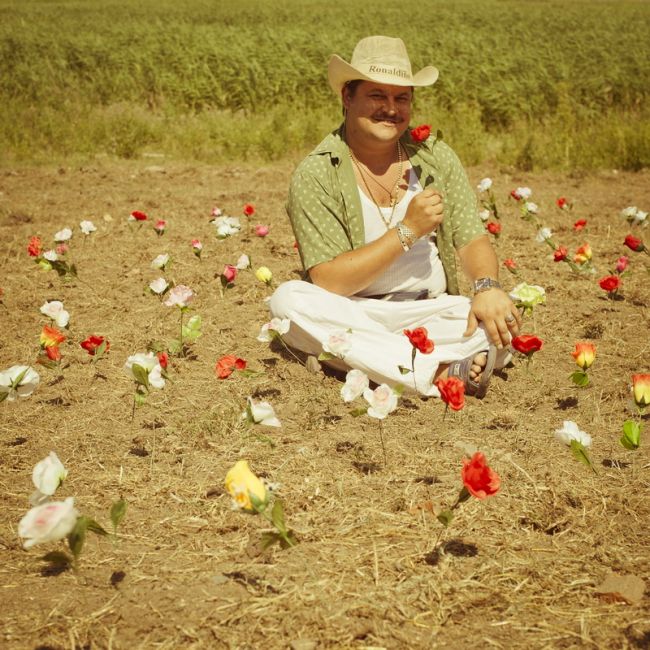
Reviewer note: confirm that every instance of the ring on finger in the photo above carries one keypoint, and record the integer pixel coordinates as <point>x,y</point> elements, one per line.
<point>510,319</point>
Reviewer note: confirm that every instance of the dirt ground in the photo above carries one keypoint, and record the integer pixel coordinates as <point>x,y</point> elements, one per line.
<point>519,570</point>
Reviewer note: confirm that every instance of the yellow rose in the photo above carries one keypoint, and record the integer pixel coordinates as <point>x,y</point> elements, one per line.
<point>584,354</point>
<point>263,274</point>
<point>641,385</point>
<point>246,489</point>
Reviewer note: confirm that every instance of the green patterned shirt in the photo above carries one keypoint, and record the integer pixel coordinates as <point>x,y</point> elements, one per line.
<point>325,208</point>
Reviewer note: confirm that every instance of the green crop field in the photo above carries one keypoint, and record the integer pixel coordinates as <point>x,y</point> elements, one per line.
<point>537,84</point>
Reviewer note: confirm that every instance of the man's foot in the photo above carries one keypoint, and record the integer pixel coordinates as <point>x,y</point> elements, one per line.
<point>475,372</point>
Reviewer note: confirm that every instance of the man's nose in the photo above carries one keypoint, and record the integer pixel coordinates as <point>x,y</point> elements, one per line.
<point>390,105</point>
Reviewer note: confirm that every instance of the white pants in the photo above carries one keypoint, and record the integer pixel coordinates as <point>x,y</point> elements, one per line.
<point>379,345</point>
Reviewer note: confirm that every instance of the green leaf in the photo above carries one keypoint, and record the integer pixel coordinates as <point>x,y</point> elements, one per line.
<point>250,373</point>
<point>100,350</point>
<point>57,558</point>
<point>579,378</point>
<point>77,537</point>
<point>277,516</point>
<point>174,346</point>
<point>404,370</point>
<point>96,528</point>
<point>3,396</point>
<point>16,382</point>
<point>398,390</point>
<point>580,453</point>
<point>357,412</point>
<point>293,540</point>
<point>445,517</point>
<point>141,375</point>
<point>140,398</point>
<point>324,356</point>
<point>631,435</point>
<point>118,510</point>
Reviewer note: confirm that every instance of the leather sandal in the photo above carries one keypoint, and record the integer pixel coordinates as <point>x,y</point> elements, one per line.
<point>461,369</point>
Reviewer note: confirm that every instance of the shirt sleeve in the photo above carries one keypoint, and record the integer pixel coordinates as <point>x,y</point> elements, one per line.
<point>315,212</point>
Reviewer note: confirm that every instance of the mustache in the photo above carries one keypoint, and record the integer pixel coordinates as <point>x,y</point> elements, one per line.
<point>387,118</point>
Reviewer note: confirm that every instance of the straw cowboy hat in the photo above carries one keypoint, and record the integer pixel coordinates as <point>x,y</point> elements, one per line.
<point>381,59</point>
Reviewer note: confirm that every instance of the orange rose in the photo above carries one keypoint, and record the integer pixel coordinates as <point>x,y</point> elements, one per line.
<point>227,365</point>
<point>452,392</point>
<point>480,480</point>
<point>641,389</point>
<point>584,354</point>
<point>583,254</point>
<point>51,337</point>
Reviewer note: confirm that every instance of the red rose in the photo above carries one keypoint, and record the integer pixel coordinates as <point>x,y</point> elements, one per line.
<point>53,352</point>
<point>419,339</point>
<point>610,283</point>
<point>163,360</point>
<point>92,343</point>
<point>35,247</point>
<point>560,253</point>
<point>527,344</point>
<point>139,216</point>
<point>562,203</point>
<point>420,133</point>
<point>227,365</point>
<point>452,392</point>
<point>621,263</point>
<point>515,195</point>
<point>634,243</point>
<point>480,480</point>
<point>493,227</point>
<point>580,224</point>
<point>249,209</point>
<point>510,264</point>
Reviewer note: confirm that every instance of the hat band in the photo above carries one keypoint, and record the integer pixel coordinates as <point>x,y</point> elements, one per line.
<point>380,69</point>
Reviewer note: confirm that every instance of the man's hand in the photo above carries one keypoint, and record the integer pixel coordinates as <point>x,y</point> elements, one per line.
<point>424,213</point>
<point>498,314</point>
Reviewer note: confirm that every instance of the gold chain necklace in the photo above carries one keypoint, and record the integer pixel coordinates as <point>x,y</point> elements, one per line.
<point>393,198</point>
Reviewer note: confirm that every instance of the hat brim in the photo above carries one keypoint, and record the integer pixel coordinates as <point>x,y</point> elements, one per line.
<point>339,72</point>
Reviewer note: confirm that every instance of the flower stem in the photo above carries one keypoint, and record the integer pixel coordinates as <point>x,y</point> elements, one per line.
<point>381,438</point>
<point>181,337</point>
<point>289,350</point>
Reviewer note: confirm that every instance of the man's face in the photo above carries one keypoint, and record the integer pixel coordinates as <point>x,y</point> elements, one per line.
<point>378,111</point>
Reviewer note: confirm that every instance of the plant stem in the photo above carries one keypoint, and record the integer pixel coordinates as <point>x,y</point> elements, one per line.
<point>289,350</point>
<point>180,353</point>
<point>381,438</point>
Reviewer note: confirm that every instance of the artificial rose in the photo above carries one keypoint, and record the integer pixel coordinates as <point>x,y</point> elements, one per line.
<point>35,247</point>
<point>562,203</point>
<point>148,361</point>
<point>493,228</point>
<point>339,343</point>
<point>48,474</point>
<point>521,193</point>
<point>641,389</point>
<point>51,337</point>
<point>54,310</point>
<point>93,342</point>
<point>531,207</point>
<point>50,256</point>
<point>243,262</point>
<point>62,249</point>
<point>621,263</point>
<point>226,226</point>
<point>158,286</point>
<point>263,274</point>
<point>484,185</point>
<point>510,264</point>
<point>543,234</point>
<point>160,226</point>
<point>356,381</point>
<point>382,400</point>
<point>262,413</point>
<point>528,295</point>
<point>17,381</point>
<point>634,244</point>
<point>419,339</point>
<point>180,296</point>
<point>640,217</point>
<point>160,262</point>
<point>527,344</point>
<point>560,254</point>
<point>480,480</point>
<point>570,431</point>
<point>261,230</point>
<point>216,212</point>
<point>583,254</point>
<point>49,522</point>
<point>227,365</point>
<point>420,133</point>
<point>87,227</point>
<point>163,359</point>
<point>136,215</point>
<point>452,392</point>
<point>247,490</point>
<point>584,354</point>
<point>610,283</point>
<point>63,235</point>
<point>278,325</point>
<point>197,246</point>
<point>249,209</point>
<point>229,273</point>
<point>484,214</point>
<point>579,224</point>
<point>53,353</point>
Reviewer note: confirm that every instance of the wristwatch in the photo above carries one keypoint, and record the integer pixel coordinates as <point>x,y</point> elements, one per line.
<point>406,236</point>
<point>483,284</point>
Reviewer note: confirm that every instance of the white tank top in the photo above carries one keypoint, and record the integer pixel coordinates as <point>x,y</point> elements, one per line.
<point>418,269</point>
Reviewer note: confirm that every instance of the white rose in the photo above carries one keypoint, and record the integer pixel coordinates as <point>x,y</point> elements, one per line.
<point>531,207</point>
<point>243,262</point>
<point>17,381</point>
<point>48,474</point>
<point>382,400</point>
<point>484,214</point>
<point>54,310</point>
<point>570,431</point>
<point>63,235</point>
<point>158,286</point>
<point>160,262</point>
<point>484,185</point>
<point>279,325</point>
<point>49,522</point>
<point>543,234</point>
<point>226,226</point>
<point>356,381</point>
<point>339,343</point>
<point>180,296</point>
<point>87,227</point>
<point>262,413</point>
<point>629,213</point>
<point>640,216</point>
<point>149,362</point>
<point>50,256</point>
<point>524,192</point>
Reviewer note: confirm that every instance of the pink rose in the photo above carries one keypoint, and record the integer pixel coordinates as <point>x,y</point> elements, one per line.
<point>261,230</point>
<point>229,273</point>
